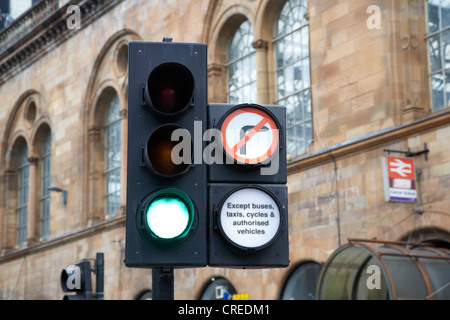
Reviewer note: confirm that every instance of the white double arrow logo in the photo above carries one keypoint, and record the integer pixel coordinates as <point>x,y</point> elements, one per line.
<point>400,167</point>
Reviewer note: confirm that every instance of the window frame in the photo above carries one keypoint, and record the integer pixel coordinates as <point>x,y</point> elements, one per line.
<point>442,70</point>
<point>246,58</point>
<point>23,182</point>
<point>304,93</point>
<point>45,182</point>
<point>108,124</point>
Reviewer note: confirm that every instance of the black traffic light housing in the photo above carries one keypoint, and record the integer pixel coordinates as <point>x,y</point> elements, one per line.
<point>77,279</point>
<point>166,223</point>
<point>273,170</point>
<point>224,250</point>
<point>248,217</point>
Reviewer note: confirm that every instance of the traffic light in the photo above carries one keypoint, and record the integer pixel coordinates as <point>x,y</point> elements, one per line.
<point>77,278</point>
<point>248,216</point>
<point>166,184</point>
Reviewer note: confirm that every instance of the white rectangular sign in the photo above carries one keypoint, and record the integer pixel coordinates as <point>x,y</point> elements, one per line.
<point>399,179</point>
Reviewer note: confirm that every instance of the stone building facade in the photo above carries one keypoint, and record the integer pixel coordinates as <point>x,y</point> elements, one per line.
<point>370,82</point>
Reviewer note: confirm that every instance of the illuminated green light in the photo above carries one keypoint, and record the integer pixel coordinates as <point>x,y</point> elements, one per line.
<point>169,217</point>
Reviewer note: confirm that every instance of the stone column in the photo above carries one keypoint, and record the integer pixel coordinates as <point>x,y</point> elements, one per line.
<point>94,176</point>
<point>32,201</point>
<point>217,89</point>
<point>262,76</point>
<point>9,223</point>
<point>123,161</point>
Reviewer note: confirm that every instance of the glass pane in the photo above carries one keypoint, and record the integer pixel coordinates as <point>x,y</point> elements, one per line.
<point>22,226</point>
<point>300,139</point>
<point>246,71</point>
<point>289,80</point>
<point>279,47</point>
<point>113,181</point>
<point>297,46</point>
<point>281,26</point>
<point>113,132</point>
<point>299,108</point>
<point>242,69</point>
<point>45,215</point>
<point>433,16</point>
<point>305,73</point>
<point>447,88</point>
<point>293,75</point>
<point>47,144</point>
<point>252,66</point>
<point>233,98</point>
<point>290,112</point>
<point>292,17</point>
<point>281,92</point>
<point>112,204</point>
<point>241,44</point>
<point>113,109</point>
<point>231,80</point>
<point>434,51</point>
<point>308,133</point>
<point>437,90</point>
<point>307,103</point>
<point>297,77</point>
<point>446,48</point>
<point>288,50</point>
<point>253,92</point>
<point>291,144</point>
<point>445,13</point>
<point>305,41</point>
<point>114,158</point>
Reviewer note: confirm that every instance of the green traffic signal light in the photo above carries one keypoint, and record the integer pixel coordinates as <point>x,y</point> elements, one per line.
<point>169,215</point>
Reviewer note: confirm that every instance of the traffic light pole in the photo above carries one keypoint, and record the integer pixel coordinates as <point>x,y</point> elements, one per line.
<point>99,274</point>
<point>163,283</point>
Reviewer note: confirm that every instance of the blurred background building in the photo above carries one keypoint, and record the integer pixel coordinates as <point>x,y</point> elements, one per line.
<point>358,78</point>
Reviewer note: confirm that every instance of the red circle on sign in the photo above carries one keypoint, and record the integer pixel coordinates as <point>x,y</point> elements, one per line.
<point>266,119</point>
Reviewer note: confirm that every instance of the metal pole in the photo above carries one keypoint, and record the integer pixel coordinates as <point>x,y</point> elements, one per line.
<point>163,283</point>
<point>99,274</point>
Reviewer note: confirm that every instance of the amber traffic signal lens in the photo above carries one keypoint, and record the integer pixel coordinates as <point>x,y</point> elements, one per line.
<point>158,152</point>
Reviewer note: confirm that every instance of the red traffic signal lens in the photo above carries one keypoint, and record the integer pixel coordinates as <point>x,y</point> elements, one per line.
<point>158,153</point>
<point>170,88</point>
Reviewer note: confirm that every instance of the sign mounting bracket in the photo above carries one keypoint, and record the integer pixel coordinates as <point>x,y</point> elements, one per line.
<point>411,154</point>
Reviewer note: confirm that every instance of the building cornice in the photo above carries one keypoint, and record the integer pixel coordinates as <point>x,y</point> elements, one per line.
<point>370,141</point>
<point>118,222</point>
<point>41,29</point>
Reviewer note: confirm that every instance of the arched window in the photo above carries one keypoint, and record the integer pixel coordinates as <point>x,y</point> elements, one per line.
<point>45,163</point>
<point>22,172</point>
<point>113,132</point>
<point>293,74</point>
<point>439,52</point>
<point>241,66</point>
